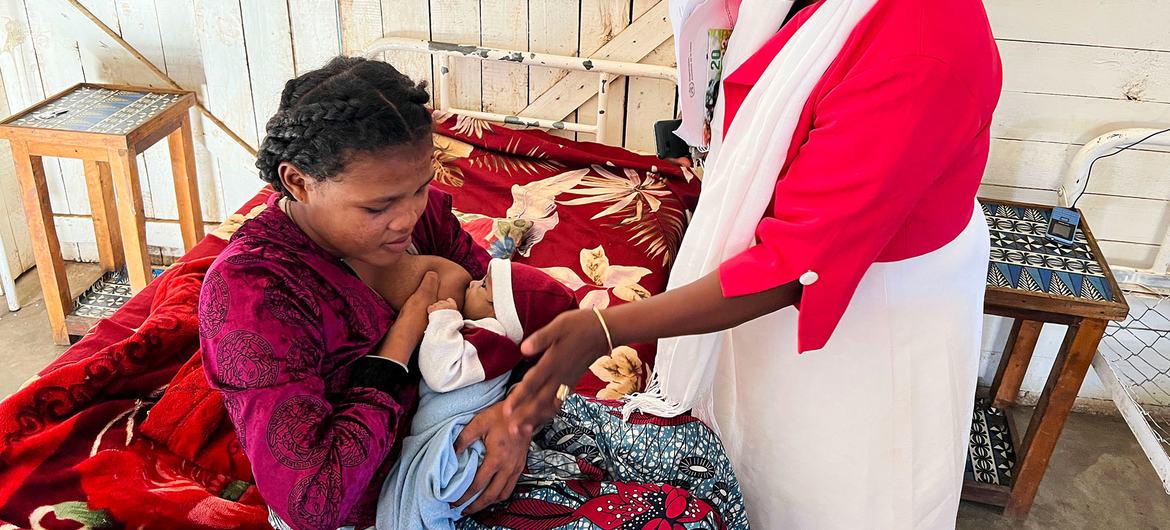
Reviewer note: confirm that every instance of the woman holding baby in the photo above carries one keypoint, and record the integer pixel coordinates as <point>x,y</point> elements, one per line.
<point>310,316</point>
<point>363,343</point>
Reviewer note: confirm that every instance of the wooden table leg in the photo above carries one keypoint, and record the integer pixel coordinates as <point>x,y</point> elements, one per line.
<point>186,183</point>
<point>50,267</point>
<point>1013,365</point>
<point>131,216</point>
<point>100,186</point>
<point>1068,373</point>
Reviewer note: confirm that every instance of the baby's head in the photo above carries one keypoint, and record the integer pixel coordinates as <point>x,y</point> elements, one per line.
<point>523,298</point>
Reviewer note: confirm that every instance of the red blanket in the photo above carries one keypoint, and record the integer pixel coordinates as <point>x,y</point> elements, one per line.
<point>82,432</point>
<point>123,431</point>
<point>603,220</point>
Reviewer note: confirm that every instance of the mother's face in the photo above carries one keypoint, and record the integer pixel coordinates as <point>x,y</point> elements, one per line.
<point>366,212</point>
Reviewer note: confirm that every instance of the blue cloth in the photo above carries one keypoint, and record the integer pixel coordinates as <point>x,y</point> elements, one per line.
<point>429,475</point>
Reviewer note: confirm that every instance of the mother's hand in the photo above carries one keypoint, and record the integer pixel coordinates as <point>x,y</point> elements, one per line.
<point>407,330</point>
<point>570,344</point>
<point>503,461</point>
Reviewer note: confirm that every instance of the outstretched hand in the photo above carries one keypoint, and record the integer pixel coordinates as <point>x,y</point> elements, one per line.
<point>567,346</point>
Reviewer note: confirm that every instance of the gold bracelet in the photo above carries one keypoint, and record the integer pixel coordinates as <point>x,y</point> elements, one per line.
<point>604,327</point>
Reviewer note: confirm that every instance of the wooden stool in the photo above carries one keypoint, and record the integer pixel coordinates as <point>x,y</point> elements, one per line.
<point>1035,281</point>
<point>106,127</point>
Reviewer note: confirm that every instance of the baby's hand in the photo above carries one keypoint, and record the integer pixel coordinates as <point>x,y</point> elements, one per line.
<point>441,305</point>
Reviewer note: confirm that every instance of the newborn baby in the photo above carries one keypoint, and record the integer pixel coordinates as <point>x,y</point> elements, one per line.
<point>465,359</point>
<point>482,343</point>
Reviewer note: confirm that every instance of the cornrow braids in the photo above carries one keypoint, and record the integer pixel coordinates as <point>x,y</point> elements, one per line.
<point>350,105</point>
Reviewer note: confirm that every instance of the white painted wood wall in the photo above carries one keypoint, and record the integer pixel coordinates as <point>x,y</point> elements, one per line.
<point>238,54</point>
<point>1073,69</point>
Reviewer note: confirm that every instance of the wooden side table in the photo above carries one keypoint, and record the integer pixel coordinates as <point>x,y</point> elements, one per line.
<point>1036,281</point>
<point>106,127</point>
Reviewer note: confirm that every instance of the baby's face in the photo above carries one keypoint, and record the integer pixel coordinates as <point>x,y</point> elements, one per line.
<point>477,301</point>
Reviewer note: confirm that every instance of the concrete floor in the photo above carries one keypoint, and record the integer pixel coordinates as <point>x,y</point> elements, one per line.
<point>26,345</point>
<point>1098,478</point>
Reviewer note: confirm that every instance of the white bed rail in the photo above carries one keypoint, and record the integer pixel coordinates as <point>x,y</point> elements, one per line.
<point>606,72</point>
<point>1131,358</point>
<point>1075,183</point>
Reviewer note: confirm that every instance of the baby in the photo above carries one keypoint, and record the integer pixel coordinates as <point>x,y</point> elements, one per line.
<point>458,349</point>
<point>483,342</point>
<point>464,359</point>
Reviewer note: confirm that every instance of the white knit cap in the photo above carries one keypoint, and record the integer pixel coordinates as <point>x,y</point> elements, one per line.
<point>503,301</point>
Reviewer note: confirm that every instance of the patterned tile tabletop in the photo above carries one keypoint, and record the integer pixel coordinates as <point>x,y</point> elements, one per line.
<point>98,110</point>
<point>107,295</point>
<point>1023,258</point>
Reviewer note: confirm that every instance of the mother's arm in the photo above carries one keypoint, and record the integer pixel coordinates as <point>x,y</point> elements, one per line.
<point>312,457</point>
<point>503,461</point>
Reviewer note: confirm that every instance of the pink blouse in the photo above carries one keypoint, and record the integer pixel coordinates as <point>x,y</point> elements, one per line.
<point>885,161</point>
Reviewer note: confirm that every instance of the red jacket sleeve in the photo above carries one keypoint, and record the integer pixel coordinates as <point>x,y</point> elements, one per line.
<point>879,140</point>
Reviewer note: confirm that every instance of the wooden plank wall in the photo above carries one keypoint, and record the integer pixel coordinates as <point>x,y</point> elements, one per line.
<point>1066,81</point>
<point>237,57</point>
<point>49,46</point>
<point>21,81</point>
<point>1074,69</point>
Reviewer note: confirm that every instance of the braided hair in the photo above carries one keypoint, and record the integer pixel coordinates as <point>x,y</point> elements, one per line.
<point>350,105</point>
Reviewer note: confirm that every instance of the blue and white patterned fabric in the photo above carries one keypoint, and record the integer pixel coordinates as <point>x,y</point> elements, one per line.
<point>588,469</point>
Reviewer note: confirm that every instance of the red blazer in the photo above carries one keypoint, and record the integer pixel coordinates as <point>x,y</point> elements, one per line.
<point>886,159</point>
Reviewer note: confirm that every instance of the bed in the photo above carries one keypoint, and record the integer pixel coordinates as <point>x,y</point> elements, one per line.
<point>122,430</point>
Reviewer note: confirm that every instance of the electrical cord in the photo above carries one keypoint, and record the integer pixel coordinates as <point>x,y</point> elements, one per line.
<point>1089,173</point>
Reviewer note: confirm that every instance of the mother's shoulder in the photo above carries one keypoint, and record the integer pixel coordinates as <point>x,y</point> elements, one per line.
<point>255,261</point>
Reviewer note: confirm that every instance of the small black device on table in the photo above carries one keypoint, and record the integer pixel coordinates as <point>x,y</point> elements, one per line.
<point>1062,226</point>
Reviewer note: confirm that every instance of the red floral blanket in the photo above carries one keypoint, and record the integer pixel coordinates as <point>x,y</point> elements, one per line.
<point>122,430</point>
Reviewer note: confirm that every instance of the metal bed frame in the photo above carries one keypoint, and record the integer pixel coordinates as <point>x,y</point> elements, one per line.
<point>606,71</point>
<point>1154,281</point>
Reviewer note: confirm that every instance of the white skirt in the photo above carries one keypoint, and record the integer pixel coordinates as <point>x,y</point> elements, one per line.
<point>871,431</point>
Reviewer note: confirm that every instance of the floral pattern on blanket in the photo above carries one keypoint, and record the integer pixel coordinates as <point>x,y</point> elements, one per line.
<point>622,371</point>
<point>605,222</point>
